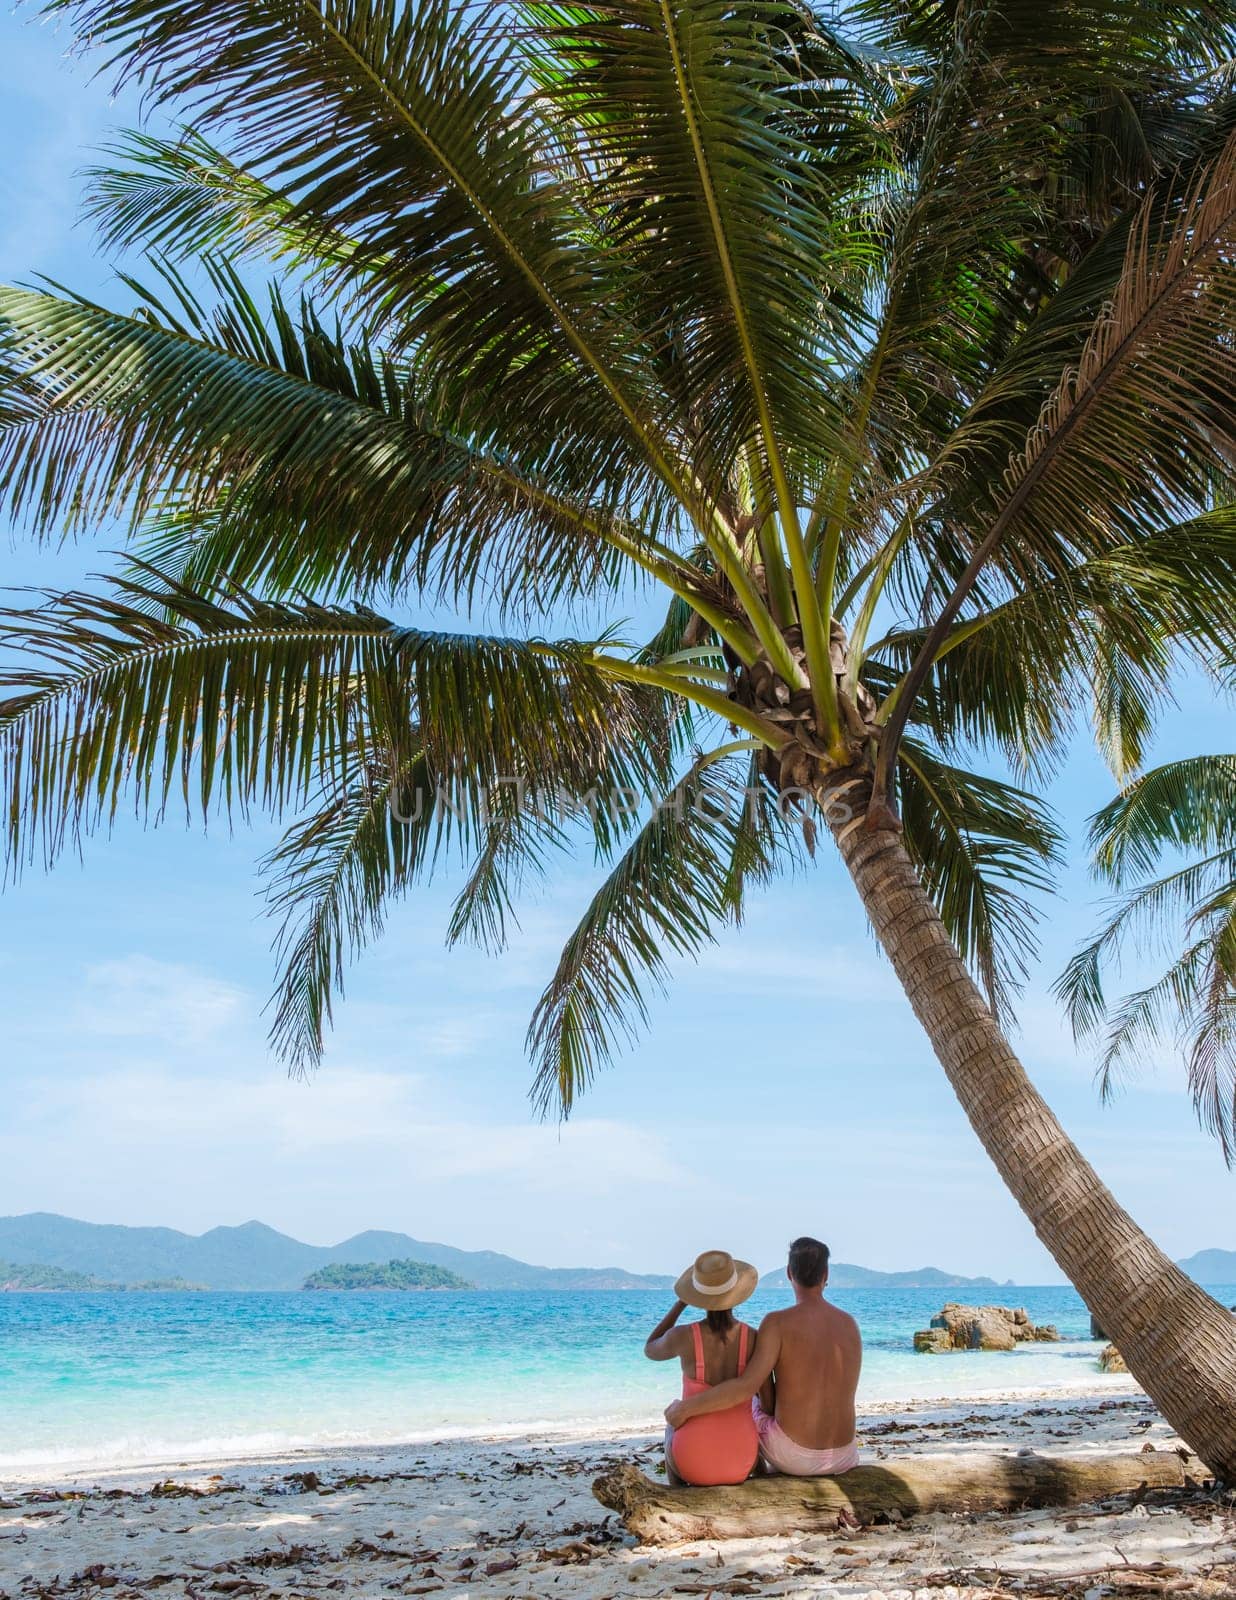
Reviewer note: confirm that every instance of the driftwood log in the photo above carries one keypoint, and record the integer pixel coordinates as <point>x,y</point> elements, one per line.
<point>659,1514</point>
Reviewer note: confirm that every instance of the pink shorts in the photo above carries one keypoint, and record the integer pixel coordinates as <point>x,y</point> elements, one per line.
<point>779,1453</point>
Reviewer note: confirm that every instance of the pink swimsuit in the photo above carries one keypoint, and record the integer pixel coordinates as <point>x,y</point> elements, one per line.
<point>780,1453</point>
<point>720,1446</point>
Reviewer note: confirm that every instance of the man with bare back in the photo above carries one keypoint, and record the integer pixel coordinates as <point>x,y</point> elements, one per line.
<point>806,1363</point>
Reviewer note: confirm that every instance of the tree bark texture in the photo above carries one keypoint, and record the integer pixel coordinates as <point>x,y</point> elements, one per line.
<point>1179,1343</point>
<point>659,1514</point>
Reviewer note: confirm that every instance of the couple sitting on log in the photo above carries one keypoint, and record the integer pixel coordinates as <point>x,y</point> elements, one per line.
<point>782,1398</point>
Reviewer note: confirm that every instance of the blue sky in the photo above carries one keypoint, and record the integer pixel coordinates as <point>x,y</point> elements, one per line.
<point>783,1087</point>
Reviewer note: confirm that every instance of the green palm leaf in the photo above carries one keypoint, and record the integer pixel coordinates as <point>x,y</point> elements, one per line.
<point>989,205</point>
<point>698,122</point>
<point>1168,303</point>
<point>1181,806</point>
<point>334,875</point>
<point>983,848</point>
<point>183,198</point>
<point>679,882</point>
<point>1096,643</point>
<point>236,700</point>
<point>390,127</point>
<point>1193,1003</point>
<point>525,825</point>
<point>1133,423</point>
<point>331,879</point>
<point>270,447</point>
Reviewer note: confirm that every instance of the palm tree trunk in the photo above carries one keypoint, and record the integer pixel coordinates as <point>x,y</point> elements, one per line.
<point>1178,1342</point>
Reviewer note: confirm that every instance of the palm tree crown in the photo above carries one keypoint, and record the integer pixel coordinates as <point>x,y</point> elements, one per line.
<point>896,350</point>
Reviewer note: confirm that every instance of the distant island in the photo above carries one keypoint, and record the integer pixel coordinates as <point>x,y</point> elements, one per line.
<point>164,1286</point>
<point>404,1276</point>
<point>843,1275</point>
<point>254,1256</point>
<point>1211,1266</point>
<point>29,1275</point>
<point>35,1277</point>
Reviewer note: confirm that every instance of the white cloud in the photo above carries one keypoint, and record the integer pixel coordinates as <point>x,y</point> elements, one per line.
<point>136,1009</point>
<point>351,1120</point>
<point>137,996</point>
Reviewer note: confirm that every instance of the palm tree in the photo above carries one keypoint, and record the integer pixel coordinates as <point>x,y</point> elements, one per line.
<point>899,359</point>
<point>1182,810</point>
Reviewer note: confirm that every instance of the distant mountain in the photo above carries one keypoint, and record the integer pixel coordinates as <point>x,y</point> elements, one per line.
<point>254,1256</point>
<point>843,1275</point>
<point>1211,1266</point>
<point>405,1276</point>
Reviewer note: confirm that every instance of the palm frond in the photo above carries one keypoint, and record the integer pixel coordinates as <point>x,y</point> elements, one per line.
<point>1126,697</point>
<point>952,275</point>
<point>1143,424</point>
<point>983,848</point>
<point>1193,1004</point>
<point>1097,641</point>
<point>715,148</point>
<point>520,830</point>
<point>236,700</point>
<point>182,198</point>
<point>336,872</point>
<point>1142,913</point>
<point>992,203</point>
<point>1145,1016</point>
<point>1181,805</point>
<point>330,881</point>
<point>1143,420</point>
<point>406,132</point>
<point>1212,1033</point>
<point>525,823</point>
<point>265,444</point>
<point>679,882</point>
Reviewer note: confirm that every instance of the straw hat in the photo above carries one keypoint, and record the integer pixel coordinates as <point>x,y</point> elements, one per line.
<point>716,1282</point>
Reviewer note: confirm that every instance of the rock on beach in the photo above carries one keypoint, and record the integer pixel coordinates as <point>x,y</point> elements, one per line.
<point>960,1327</point>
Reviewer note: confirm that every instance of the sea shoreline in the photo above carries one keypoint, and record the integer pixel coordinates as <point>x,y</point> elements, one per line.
<point>514,1517</point>
<point>90,1382</point>
<point>535,1432</point>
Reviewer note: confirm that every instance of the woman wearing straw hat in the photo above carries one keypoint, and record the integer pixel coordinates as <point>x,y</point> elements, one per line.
<point>722,1446</point>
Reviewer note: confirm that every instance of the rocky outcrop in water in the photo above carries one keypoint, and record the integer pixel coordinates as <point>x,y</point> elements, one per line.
<point>960,1327</point>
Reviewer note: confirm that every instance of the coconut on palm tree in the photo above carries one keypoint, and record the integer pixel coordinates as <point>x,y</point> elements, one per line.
<point>897,353</point>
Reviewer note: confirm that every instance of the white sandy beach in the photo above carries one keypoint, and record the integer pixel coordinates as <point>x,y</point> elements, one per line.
<point>508,1517</point>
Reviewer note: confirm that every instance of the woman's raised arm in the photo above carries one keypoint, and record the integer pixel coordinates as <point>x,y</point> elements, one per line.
<point>659,1346</point>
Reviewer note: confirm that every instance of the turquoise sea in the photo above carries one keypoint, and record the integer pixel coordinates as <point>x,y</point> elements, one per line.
<point>98,1380</point>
